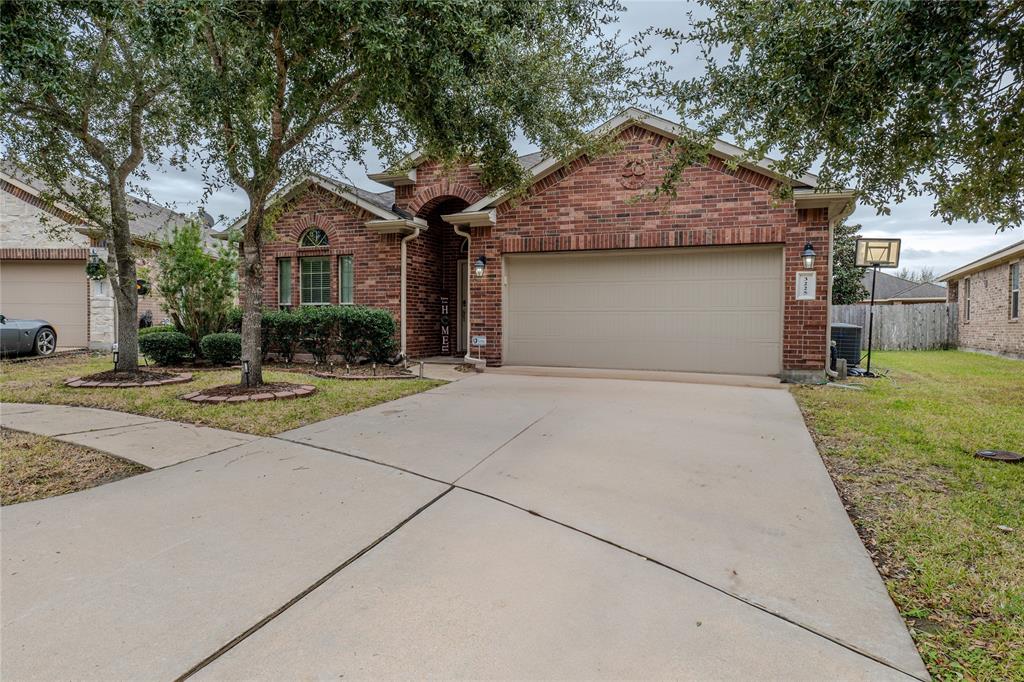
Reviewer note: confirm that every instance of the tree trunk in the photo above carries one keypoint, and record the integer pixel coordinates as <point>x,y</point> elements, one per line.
<point>126,294</point>
<point>252,294</point>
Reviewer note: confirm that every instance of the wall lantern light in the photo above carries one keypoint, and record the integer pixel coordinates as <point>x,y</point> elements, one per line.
<point>808,256</point>
<point>479,266</point>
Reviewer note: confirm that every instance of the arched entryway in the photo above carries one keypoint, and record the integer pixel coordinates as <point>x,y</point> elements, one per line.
<point>437,286</point>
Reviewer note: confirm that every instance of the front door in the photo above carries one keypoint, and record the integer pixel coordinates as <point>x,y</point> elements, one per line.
<point>463,268</point>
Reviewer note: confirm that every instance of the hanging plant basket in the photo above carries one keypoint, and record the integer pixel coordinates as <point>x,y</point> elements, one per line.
<point>96,269</point>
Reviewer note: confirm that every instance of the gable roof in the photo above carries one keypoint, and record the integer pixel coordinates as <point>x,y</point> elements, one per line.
<point>148,222</point>
<point>380,204</point>
<point>662,126</point>
<point>1011,252</point>
<point>889,287</point>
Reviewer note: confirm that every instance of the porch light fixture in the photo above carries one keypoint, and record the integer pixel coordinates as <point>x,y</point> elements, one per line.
<point>479,265</point>
<point>808,256</point>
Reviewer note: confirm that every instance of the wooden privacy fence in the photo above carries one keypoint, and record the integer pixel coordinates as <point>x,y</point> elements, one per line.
<point>918,326</point>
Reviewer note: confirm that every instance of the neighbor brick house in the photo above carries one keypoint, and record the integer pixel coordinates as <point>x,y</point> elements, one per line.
<point>988,294</point>
<point>582,270</point>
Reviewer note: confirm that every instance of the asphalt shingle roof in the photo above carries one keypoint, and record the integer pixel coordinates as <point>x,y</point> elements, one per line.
<point>891,286</point>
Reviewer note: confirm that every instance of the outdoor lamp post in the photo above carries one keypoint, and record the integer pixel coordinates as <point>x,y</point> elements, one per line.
<point>808,256</point>
<point>479,265</point>
<point>245,372</point>
<point>114,349</point>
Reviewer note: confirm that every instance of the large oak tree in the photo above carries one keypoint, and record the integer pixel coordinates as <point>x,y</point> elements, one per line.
<point>892,98</point>
<point>287,87</point>
<point>86,95</point>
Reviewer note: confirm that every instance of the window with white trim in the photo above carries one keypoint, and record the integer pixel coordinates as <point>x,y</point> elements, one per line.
<point>284,281</point>
<point>346,280</point>
<point>967,299</point>
<point>1014,290</point>
<point>315,281</point>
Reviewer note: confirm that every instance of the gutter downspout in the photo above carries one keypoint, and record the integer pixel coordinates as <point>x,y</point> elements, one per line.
<point>407,238</point>
<point>476,362</point>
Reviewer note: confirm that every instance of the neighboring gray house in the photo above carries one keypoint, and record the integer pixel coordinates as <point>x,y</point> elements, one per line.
<point>893,290</point>
<point>44,277</point>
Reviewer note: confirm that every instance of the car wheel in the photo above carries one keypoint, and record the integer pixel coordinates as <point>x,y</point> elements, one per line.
<point>46,341</point>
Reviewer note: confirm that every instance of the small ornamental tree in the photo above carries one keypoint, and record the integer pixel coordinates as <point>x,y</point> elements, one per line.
<point>288,87</point>
<point>847,285</point>
<point>86,94</point>
<point>197,283</point>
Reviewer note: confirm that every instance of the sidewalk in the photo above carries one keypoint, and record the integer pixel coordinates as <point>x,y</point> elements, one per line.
<point>155,443</point>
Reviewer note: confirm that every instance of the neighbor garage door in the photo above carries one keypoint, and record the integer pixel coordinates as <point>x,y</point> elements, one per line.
<point>701,310</point>
<point>54,291</point>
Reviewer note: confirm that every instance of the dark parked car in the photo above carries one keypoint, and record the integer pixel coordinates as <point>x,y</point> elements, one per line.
<point>27,336</point>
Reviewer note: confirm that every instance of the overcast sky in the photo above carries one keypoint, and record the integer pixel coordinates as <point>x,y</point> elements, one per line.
<point>927,241</point>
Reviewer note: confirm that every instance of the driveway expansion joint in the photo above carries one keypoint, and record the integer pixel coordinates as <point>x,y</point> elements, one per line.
<point>304,593</point>
<point>752,604</point>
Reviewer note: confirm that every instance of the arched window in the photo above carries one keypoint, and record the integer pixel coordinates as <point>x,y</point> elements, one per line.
<point>313,237</point>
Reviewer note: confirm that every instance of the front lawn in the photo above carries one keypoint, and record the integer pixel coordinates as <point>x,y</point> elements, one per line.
<point>900,452</point>
<point>41,382</point>
<point>34,467</point>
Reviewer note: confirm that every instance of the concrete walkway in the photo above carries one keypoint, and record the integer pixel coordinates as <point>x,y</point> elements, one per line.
<point>501,526</point>
<point>153,442</point>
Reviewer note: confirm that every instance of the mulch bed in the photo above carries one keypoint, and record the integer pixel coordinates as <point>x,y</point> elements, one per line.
<point>234,393</point>
<point>138,379</point>
<point>363,373</point>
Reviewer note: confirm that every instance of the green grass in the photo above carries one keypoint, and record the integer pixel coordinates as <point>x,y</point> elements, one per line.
<point>900,451</point>
<point>41,382</point>
<point>35,467</point>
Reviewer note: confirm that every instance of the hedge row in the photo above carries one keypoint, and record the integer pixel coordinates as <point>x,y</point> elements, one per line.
<point>356,333</point>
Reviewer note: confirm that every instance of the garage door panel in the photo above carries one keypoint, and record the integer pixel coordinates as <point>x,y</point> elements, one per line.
<point>54,291</point>
<point>716,310</point>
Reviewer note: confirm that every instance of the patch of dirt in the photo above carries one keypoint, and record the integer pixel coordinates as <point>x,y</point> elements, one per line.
<point>230,390</point>
<point>361,372</point>
<point>138,376</point>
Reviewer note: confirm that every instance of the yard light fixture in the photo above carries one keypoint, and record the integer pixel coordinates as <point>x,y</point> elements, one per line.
<point>479,265</point>
<point>245,372</point>
<point>114,349</point>
<point>808,256</point>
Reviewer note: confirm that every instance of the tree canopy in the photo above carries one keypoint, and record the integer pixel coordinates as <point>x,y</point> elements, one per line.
<point>894,99</point>
<point>289,87</point>
<point>86,95</point>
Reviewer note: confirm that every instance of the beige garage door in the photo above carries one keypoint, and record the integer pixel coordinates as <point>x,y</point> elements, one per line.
<point>54,291</point>
<point>700,310</point>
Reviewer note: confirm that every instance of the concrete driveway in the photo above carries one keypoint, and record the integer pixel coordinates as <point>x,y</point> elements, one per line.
<point>500,526</point>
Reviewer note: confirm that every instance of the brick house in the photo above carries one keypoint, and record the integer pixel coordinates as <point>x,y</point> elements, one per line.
<point>582,270</point>
<point>988,294</point>
<point>44,248</point>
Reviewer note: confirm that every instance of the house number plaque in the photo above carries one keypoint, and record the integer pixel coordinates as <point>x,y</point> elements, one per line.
<point>806,283</point>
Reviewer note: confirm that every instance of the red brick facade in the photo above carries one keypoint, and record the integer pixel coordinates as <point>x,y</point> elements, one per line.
<point>587,205</point>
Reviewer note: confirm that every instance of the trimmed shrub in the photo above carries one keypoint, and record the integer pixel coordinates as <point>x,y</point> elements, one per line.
<point>157,329</point>
<point>366,333</point>
<point>282,332</point>
<point>165,348</point>
<point>320,328</point>
<point>234,320</point>
<point>222,349</point>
